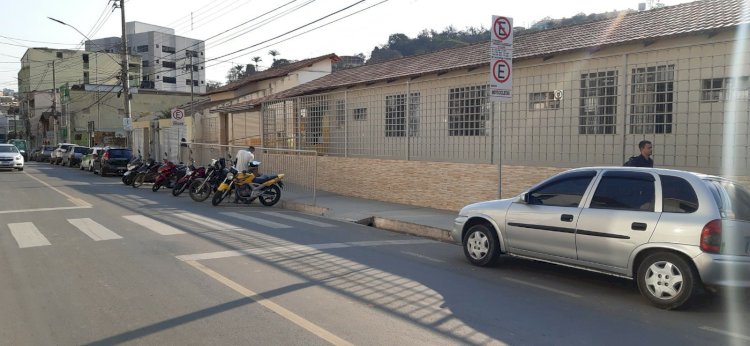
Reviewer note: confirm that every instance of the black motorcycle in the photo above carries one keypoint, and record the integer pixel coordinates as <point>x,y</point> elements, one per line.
<point>202,188</point>
<point>147,173</point>
<point>133,166</point>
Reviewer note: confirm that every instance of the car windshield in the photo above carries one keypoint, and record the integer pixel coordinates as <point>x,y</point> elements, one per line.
<point>119,153</point>
<point>49,148</point>
<point>81,150</point>
<point>733,200</point>
<point>8,149</point>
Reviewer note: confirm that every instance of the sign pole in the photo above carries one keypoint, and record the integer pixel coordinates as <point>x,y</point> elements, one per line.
<point>500,81</point>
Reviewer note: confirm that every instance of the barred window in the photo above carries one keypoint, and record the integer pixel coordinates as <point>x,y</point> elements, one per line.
<point>467,114</point>
<point>171,80</point>
<point>168,64</point>
<point>395,115</point>
<point>544,100</point>
<point>598,105</point>
<point>166,49</point>
<point>360,114</point>
<point>141,49</point>
<point>724,89</point>
<point>652,99</point>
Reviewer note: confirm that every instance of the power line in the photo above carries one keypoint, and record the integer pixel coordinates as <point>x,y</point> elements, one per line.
<point>32,41</point>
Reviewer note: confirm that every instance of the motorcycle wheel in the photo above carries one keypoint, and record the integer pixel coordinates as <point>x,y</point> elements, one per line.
<point>218,197</point>
<point>178,189</point>
<point>270,196</point>
<point>125,180</point>
<point>138,181</point>
<point>156,187</point>
<point>202,194</point>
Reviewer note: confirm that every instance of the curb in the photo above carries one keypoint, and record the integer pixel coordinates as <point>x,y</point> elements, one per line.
<point>307,208</point>
<point>397,226</point>
<point>412,229</point>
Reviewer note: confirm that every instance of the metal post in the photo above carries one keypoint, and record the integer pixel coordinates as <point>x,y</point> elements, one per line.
<point>408,122</point>
<point>125,80</point>
<point>346,124</point>
<point>54,104</point>
<point>499,153</point>
<point>69,116</point>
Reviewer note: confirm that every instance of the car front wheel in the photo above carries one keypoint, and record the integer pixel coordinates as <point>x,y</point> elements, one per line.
<point>481,246</point>
<point>667,280</point>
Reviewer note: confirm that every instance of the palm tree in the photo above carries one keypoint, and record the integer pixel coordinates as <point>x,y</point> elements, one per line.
<point>256,60</point>
<point>273,53</point>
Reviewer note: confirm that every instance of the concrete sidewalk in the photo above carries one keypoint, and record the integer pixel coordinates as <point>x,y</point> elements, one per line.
<point>425,222</point>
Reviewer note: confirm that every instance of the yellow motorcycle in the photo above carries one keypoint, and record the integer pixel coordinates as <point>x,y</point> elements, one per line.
<point>246,186</point>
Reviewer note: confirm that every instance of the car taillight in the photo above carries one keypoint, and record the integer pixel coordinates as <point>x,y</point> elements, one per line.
<point>106,156</point>
<point>711,237</point>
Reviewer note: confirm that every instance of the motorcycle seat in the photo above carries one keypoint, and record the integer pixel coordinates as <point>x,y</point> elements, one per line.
<point>264,178</point>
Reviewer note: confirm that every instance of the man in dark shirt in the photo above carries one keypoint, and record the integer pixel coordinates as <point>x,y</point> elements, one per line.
<point>644,159</point>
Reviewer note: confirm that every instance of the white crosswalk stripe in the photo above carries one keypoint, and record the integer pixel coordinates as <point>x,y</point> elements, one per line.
<point>153,225</point>
<point>257,220</point>
<point>298,219</point>
<point>27,235</point>
<point>93,229</point>
<point>211,224</point>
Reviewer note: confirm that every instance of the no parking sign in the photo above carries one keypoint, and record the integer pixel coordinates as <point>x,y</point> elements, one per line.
<point>501,59</point>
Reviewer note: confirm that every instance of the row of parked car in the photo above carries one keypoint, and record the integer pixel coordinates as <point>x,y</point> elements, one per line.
<point>99,160</point>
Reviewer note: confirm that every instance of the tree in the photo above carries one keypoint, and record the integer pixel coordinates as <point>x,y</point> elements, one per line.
<point>273,53</point>
<point>280,62</point>
<point>257,59</point>
<point>212,85</point>
<point>235,73</point>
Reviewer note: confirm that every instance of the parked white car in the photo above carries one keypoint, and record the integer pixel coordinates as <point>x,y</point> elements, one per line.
<point>10,157</point>
<point>673,232</point>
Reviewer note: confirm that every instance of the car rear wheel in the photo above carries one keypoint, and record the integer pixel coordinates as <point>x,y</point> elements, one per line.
<point>667,280</point>
<point>481,246</point>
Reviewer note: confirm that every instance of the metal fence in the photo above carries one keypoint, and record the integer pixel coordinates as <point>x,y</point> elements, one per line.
<point>691,100</point>
<point>298,166</point>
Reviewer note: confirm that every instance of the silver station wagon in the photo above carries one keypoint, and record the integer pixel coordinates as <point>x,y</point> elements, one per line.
<point>674,232</point>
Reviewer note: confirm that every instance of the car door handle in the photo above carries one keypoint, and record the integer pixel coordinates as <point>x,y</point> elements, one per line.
<point>638,226</point>
<point>566,218</point>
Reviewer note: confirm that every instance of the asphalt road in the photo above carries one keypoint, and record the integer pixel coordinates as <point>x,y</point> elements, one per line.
<point>87,260</point>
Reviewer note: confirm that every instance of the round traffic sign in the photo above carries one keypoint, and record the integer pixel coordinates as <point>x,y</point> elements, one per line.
<point>501,71</point>
<point>502,28</point>
<point>178,114</point>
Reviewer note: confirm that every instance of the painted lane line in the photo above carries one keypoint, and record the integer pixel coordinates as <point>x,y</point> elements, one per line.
<point>27,235</point>
<point>213,225</point>
<point>94,230</point>
<point>298,248</point>
<point>422,256</point>
<point>268,304</point>
<point>142,200</point>
<point>298,219</point>
<point>68,196</point>
<point>256,220</point>
<point>153,225</point>
<point>43,209</point>
<point>544,288</point>
<point>727,333</point>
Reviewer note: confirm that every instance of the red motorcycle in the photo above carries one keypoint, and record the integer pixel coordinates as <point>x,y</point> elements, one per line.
<point>191,174</point>
<point>168,175</point>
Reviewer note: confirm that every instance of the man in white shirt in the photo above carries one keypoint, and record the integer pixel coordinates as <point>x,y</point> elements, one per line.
<point>244,157</point>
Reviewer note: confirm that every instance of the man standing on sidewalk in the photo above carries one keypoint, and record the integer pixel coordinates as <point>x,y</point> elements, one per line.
<point>644,159</point>
<point>244,157</point>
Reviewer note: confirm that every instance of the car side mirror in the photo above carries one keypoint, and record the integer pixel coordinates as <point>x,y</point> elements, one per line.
<point>524,198</point>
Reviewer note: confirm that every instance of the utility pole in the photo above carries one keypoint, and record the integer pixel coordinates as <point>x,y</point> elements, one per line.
<point>125,79</point>
<point>54,104</point>
<point>192,82</point>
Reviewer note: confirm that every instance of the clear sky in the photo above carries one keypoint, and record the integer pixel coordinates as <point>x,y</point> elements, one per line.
<point>26,21</point>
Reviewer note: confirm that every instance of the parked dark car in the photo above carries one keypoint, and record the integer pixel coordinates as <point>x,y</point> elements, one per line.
<point>112,160</point>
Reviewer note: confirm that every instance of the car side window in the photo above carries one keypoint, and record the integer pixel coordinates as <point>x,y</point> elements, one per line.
<point>564,191</point>
<point>678,196</point>
<point>622,190</point>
